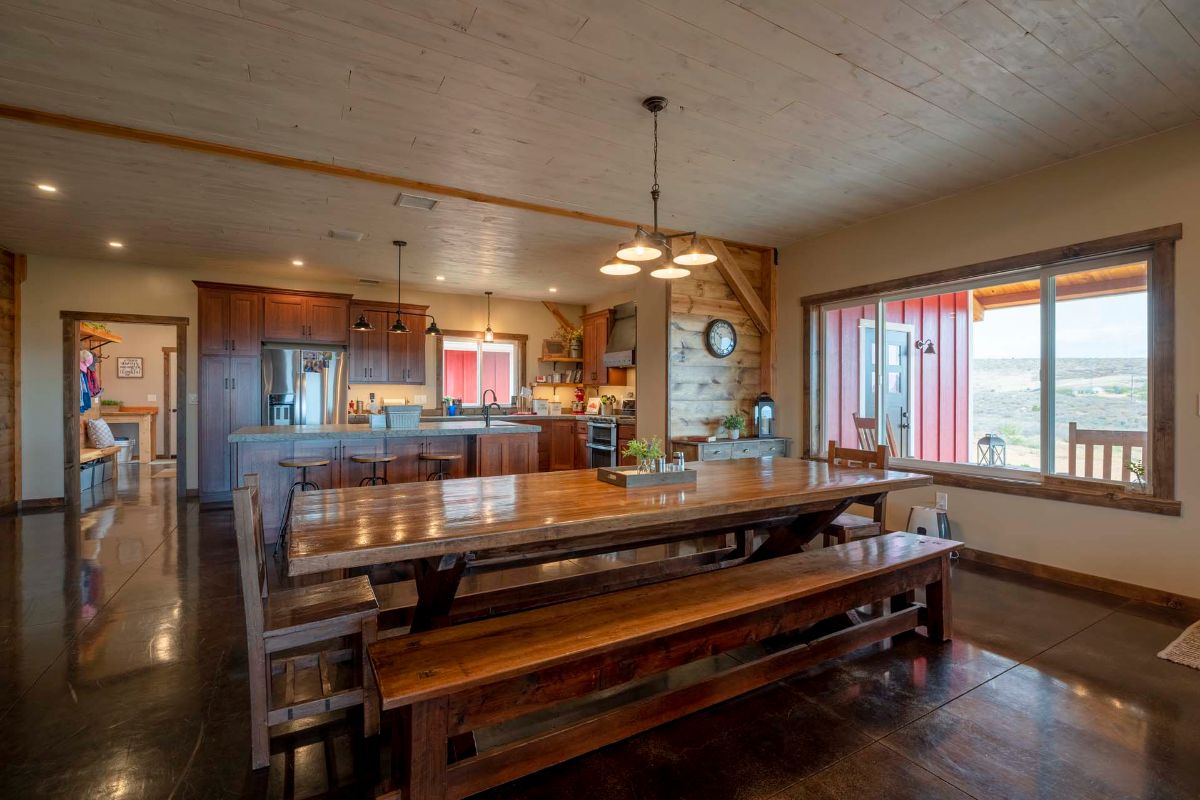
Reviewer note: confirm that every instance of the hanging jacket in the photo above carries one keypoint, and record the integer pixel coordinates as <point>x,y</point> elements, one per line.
<point>93,380</point>
<point>85,392</point>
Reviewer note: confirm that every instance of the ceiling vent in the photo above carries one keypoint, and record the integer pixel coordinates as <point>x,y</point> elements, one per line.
<point>415,201</point>
<point>368,281</point>
<point>346,235</point>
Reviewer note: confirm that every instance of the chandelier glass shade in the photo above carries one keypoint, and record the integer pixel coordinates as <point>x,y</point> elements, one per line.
<point>616,266</point>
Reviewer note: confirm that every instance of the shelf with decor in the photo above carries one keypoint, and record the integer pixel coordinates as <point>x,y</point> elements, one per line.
<point>550,357</point>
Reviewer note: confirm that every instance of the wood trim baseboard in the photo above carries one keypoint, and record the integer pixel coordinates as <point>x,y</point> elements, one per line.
<point>1130,591</point>
<point>42,504</point>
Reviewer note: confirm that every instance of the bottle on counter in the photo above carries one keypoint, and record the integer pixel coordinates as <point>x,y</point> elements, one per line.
<point>374,406</point>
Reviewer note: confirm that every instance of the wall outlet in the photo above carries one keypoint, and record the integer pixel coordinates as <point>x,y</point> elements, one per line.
<point>943,500</point>
<point>152,398</point>
<point>193,399</point>
<point>419,400</point>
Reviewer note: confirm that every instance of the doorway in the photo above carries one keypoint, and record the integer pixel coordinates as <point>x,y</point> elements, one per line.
<point>87,332</point>
<point>897,380</point>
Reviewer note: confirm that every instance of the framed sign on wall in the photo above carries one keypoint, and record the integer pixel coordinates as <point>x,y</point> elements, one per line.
<point>129,366</point>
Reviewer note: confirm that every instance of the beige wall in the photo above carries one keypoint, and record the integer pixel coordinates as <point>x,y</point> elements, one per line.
<point>145,342</point>
<point>56,284</point>
<point>1152,182</point>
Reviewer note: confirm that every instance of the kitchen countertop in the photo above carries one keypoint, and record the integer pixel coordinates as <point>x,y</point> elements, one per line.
<point>272,433</point>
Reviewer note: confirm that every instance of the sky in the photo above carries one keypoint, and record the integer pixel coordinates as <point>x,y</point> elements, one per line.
<point>1094,327</point>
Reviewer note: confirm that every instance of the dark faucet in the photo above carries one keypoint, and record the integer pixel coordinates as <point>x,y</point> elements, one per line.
<point>487,407</point>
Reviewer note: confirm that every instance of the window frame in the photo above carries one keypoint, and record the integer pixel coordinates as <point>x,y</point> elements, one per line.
<point>518,340</point>
<point>1158,247</point>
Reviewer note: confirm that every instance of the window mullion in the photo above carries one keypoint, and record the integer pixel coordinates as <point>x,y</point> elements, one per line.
<point>880,351</point>
<point>1047,373</point>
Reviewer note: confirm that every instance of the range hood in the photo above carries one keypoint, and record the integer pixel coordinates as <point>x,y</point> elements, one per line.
<point>622,339</point>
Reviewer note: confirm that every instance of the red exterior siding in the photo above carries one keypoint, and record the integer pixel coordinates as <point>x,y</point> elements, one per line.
<point>939,390</point>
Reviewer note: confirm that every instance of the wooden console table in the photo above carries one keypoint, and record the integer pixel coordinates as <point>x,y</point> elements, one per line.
<point>145,418</point>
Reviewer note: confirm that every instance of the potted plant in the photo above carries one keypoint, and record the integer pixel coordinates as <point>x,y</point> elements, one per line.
<point>735,424</point>
<point>1138,469</point>
<point>646,451</point>
<point>572,337</point>
<point>608,404</point>
<point>451,409</point>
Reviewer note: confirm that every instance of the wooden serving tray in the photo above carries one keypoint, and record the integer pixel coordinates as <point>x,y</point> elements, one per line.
<point>630,478</point>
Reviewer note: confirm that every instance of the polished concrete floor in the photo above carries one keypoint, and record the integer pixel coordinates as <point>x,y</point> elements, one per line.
<point>124,675</point>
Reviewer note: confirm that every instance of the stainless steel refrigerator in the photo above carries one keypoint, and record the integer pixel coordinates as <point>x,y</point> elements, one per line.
<point>303,387</point>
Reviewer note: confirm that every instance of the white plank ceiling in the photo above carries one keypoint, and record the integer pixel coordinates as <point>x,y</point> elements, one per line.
<point>787,117</point>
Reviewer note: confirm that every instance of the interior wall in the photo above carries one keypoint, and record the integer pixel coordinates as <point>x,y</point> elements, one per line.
<point>55,284</point>
<point>145,342</point>
<point>1141,185</point>
<point>705,389</point>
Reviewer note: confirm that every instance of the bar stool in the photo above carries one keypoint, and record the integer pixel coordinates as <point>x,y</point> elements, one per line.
<point>373,479</point>
<point>440,461</point>
<point>304,484</point>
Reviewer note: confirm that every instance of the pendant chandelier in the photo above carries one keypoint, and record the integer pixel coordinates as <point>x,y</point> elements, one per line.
<point>488,335</point>
<point>653,247</point>
<point>398,326</point>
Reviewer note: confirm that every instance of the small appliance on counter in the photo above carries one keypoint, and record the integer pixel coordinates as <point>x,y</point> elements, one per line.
<point>541,406</point>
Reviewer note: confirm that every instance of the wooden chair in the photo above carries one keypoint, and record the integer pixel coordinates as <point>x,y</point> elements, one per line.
<point>868,438</point>
<point>293,620</point>
<point>1107,441</point>
<point>847,527</point>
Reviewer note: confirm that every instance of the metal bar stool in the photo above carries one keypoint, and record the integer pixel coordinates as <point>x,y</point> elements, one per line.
<point>373,479</point>
<point>439,461</point>
<point>304,485</point>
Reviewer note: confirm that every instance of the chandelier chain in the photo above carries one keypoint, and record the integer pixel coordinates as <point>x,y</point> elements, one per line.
<point>654,192</point>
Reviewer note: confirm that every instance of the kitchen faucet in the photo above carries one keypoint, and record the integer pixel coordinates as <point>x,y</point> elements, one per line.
<point>487,407</point>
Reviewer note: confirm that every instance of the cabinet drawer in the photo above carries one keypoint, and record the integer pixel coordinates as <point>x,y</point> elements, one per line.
<point>716,452</point>
<point>772,447</point>
<point>744,449</point>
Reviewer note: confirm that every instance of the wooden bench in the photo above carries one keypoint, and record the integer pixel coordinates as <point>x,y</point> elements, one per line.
<point>454,680</point>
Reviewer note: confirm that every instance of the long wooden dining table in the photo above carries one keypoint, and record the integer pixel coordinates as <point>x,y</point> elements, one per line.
<point>442,528</point>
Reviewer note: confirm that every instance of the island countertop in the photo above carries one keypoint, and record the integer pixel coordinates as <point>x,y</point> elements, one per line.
<point>276,433</point>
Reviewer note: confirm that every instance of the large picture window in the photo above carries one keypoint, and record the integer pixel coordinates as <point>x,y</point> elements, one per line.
<point>470,367</point>
<point>1017,370</point>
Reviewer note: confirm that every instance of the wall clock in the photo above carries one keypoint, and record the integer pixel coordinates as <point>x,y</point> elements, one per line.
<point>720,338</point>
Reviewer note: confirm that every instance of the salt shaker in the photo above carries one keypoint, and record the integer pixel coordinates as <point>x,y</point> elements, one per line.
<point>679,467</point>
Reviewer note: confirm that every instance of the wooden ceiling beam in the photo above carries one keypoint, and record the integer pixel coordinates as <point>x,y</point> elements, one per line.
<point>558,315</point>
<point>740,284</point>
<point>126,133</point>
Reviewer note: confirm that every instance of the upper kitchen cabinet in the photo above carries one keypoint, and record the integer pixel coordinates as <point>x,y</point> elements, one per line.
<point>379,356</point>
<point>294,317</point>
<point>229,321</point>
<point>596,327</point>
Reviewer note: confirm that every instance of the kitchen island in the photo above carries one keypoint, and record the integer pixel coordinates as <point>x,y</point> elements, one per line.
<point>502,448</point>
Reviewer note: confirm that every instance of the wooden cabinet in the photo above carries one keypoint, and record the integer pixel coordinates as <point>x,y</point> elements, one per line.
<point>381,357</point>
<point>447,445</point>
<point>562,444</point>
<point>750,447</point>
<point>626,434</point>
<point>581,453</point>
<point>326,477</point>
<point>229,399</point>
<point>228,322</point>
<point>352,472</point>
<point>595,339</point>
<point>320,319</point>
<point>505,454</point>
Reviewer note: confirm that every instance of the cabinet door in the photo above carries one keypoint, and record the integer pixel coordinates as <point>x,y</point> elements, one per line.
<point>326,477</point>
<point>595,339</point>
<point>562,444</point>
<point>327,319</point>
<point>244,323</point>
<point>406,352</point>
<point>245,377</point>
<point>545,438</point>
<point>284,318</point>
<point>622,459</point>
<point>368,349</point>
<point>352,471</point>
<point>212,317</point>
<point>213,421</point>
<point>405,469</point>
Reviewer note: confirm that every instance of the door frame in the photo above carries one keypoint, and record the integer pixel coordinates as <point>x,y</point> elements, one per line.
<point>70,392</point>
<point>166,399</point>
<point>911,330</point>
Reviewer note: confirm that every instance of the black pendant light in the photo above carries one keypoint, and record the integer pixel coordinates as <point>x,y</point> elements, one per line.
<point>398,326</point>
<point>488,335</point>
<point>361,324</point>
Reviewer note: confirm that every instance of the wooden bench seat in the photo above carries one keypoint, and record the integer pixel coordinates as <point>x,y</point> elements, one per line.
<point>454,680</point>
<point>344,602</point>
<point>87,454</point>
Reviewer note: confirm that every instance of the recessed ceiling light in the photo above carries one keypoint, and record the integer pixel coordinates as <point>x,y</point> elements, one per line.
<point>553,289</point>
<point>48,188</point>
<point>116,245</point>
<point>440,278</point>
<point>297,262</point>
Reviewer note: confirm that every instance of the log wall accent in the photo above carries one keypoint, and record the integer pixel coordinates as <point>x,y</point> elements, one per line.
<point>702,389</point>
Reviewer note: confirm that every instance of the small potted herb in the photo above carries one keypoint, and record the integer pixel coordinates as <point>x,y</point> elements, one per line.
<point>1138,469</point>
<point>735,424</point>
<point>451,409</point>
<point>646,451</point>
<point>608,404</point>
